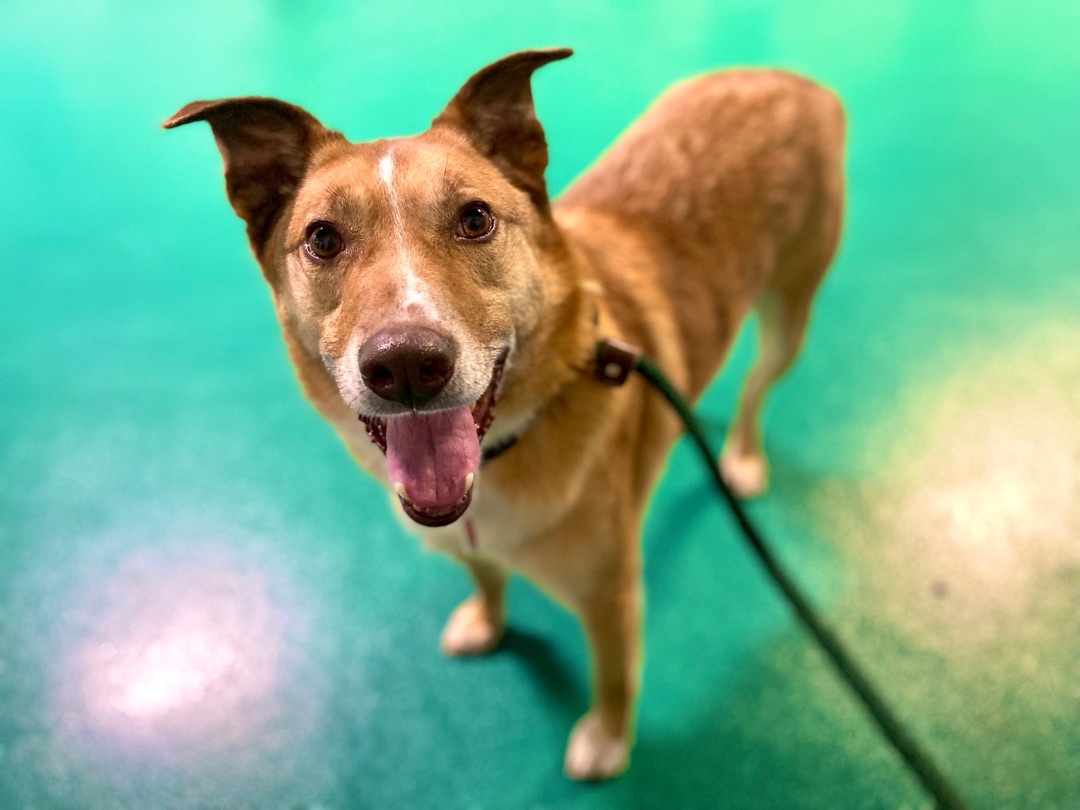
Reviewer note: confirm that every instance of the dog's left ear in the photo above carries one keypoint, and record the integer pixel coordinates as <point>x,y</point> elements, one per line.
<point>494,110</point>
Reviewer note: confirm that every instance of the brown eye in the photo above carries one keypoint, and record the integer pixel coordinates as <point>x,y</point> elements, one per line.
<point>323,242</point>
<point>476,221</point>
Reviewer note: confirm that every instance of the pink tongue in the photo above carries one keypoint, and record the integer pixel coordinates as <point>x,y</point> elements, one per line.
<point>431,454</point>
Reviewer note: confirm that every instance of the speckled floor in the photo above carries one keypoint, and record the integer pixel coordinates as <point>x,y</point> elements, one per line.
<point>204,604</point>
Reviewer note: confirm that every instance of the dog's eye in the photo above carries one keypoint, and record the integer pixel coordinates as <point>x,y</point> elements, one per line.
<point>476,221</point>
<point>323,242</point>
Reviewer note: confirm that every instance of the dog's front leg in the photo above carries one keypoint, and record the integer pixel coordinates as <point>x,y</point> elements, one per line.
<point>592,565</point>
<point>476,626</point>
<point>600,742</point>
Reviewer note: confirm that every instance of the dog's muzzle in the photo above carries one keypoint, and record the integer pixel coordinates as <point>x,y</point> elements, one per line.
<point>432,456</point>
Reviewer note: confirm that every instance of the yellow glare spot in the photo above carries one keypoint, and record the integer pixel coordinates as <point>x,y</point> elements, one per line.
<point>972,509</point>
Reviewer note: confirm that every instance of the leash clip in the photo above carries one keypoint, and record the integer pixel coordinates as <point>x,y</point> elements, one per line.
<point>615,360</point>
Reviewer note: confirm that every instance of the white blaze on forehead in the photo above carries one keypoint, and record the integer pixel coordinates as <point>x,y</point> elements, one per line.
<point>386,170</point>
<point>415,293</point>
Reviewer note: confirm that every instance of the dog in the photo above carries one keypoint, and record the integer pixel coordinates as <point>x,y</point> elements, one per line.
<point>443,315</point>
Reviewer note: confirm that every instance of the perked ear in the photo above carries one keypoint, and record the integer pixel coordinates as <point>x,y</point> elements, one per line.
<point>494,109</point>
<point>266,145</point>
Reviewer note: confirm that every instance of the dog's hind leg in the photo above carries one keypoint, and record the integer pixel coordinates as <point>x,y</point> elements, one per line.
<point>476,626</point>
<point>784,306</point>
<point>782,321</point>
<point>783,310</point>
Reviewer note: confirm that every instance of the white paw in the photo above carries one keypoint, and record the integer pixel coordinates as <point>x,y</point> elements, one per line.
<point>470,630</point>
<point>593,753</point>
<point>746,475</point>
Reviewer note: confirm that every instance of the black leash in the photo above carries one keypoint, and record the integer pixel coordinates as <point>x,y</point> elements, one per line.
<point>493,452</point>
<point>614,362</point>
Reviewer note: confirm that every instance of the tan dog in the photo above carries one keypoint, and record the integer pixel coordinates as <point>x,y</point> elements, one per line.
<point>422,283</point>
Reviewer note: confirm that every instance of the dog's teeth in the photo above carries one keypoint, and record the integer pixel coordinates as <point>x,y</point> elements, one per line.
<point>468,482</point>
<point>399,488</point>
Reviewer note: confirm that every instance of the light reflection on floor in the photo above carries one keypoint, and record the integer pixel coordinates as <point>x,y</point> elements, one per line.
<point>184,672</point>
<point>993,492</point>
<point>984,491</point>
<point>968,562</point>
<point>176,653</point>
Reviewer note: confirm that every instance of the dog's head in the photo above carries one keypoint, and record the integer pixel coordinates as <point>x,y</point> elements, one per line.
<point>410,267</point>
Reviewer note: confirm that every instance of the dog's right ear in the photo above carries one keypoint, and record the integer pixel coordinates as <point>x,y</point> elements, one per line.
<point>267,145</point>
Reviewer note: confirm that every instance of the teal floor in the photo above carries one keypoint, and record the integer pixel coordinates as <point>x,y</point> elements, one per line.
<point>203,604</point>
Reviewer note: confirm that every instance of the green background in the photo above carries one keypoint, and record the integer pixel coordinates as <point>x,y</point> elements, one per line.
<point>204,604</point>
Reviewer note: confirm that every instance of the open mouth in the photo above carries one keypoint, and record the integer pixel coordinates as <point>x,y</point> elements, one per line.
<point>434,456</point>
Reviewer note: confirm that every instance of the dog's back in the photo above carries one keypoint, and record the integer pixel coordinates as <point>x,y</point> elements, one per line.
<point>734,181</point>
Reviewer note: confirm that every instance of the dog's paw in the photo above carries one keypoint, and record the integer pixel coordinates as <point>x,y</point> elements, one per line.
<point>747,475</point>
<point>593,753</point>
<point>471,630</point>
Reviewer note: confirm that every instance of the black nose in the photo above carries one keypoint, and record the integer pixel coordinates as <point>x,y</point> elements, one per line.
<point>407,364</point>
